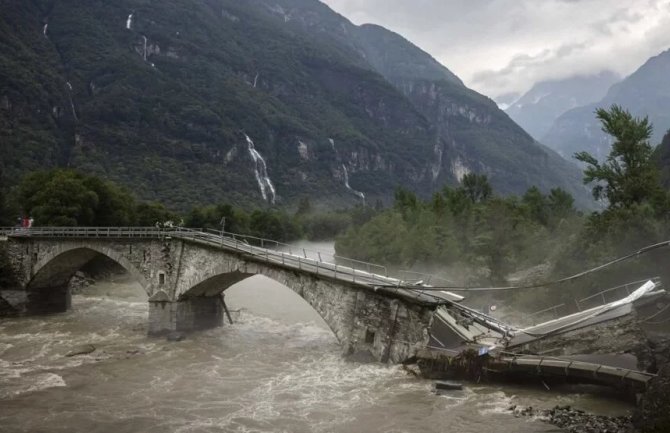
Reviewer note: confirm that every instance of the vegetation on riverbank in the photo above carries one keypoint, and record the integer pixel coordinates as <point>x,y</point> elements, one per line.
<point>473,237</point>
<point>69,198</point>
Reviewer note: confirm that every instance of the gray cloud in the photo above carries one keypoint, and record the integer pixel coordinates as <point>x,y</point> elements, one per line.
<point>503,46</point>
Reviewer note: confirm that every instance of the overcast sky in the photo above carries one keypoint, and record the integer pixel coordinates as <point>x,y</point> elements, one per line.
<point>504,46</point>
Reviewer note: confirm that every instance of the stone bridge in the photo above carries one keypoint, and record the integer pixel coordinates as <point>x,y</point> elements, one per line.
<point>185,272</point>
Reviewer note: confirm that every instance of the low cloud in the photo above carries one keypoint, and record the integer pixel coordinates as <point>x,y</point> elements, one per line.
<point>503,46</point>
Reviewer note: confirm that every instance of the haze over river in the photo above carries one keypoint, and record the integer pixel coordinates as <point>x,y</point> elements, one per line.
<point>278,368</point>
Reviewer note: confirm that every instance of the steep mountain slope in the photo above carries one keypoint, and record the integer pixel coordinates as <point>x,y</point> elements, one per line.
<point>472,133</point>
<point>256,101</point>
<point>645,93</point>
<point>538,108</point>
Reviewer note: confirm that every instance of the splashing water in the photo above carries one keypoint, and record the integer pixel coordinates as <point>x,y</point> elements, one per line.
<point>261,172</point>
<point>346,183</point>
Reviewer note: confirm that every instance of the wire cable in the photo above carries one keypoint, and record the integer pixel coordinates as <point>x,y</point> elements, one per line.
<point>463,288</point>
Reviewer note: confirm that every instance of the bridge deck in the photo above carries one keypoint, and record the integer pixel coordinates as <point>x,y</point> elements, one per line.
<point>597,373</point>
<point>235,243</point>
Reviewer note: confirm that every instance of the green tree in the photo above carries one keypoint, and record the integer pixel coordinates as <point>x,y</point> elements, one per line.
<point>148,214</point>
<point>58,198</point>
<point>536,203</point>
<point>116,206</point>
<point>628,176</point>
<point>476,187</point>
<point>66,198</point>
<point>560,203</point>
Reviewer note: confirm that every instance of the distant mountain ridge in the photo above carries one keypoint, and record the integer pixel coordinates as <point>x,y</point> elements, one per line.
<point>646,92</point>
<point>161,97</point>
<point>538,109</point>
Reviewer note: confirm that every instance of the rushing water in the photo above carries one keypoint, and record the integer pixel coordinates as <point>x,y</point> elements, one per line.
<point>277,369</point>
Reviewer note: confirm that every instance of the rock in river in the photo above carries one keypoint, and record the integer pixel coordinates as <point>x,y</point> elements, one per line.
<point>84,349</point>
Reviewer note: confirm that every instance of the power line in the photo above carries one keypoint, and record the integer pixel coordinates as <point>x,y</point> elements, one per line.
<point>463,288</point>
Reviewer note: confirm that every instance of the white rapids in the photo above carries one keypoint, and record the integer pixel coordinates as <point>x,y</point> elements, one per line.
<point>277,368</point>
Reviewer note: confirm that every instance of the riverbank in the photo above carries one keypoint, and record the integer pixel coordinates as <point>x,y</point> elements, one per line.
<point>575,420</point>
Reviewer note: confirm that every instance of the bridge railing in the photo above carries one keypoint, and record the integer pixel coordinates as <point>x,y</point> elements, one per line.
<point>612,294</point>
<point>306,253</point>
<point>596,300</point>
<point>264,249</point>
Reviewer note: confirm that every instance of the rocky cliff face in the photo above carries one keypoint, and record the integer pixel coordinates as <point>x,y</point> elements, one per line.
<point>260,101</point>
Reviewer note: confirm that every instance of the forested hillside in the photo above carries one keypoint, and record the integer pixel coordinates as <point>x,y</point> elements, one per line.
<point>194,102</point>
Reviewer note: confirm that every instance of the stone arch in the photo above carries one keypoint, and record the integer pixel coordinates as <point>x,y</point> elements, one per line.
<point>334,303</point>
<point>56,268</point>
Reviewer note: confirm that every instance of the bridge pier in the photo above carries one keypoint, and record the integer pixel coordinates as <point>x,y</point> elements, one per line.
<point>191,314</point>
<point>56,299</point>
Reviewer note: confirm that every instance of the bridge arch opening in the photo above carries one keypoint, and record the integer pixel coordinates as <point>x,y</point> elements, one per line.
<point>267,297</point>
<point>49,289</point>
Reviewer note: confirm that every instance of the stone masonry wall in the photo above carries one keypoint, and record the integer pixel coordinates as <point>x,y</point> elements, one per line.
<point>376,325</point>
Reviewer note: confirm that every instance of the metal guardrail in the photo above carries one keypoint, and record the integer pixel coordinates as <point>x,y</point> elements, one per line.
<point>357,271</point>
<point>627,287</point>
<point>541,365</point>
<point>600,297</point>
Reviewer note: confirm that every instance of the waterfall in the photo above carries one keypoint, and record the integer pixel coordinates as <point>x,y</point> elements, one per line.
<point>129,21</point>
<point>261,172</point>
<point>145,48</point>
<point>256,80</point>
<point>332,144</point>
<point>74,112</point>
<point>44,30</point>
<point>346,183</point>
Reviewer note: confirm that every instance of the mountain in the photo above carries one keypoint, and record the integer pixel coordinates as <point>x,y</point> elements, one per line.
<point>646,92</point>
<point>538,108</point>
<point>505,100</point>
<point>261,101</point>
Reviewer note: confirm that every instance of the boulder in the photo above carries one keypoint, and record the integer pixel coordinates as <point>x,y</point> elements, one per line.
<point>84,349</point>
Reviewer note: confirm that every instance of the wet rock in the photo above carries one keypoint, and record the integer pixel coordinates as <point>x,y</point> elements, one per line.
<point>79,282</point>
<point>84,349</point>
<point>577,421</point>
<point>175,336</point>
